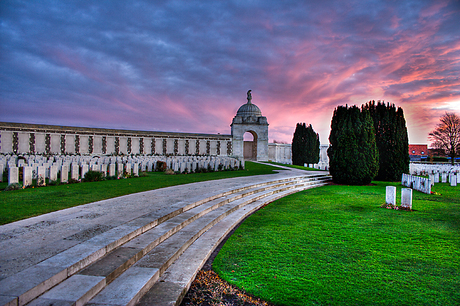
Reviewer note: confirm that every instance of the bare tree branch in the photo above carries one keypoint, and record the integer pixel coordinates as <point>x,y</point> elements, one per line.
<point>446,135</point>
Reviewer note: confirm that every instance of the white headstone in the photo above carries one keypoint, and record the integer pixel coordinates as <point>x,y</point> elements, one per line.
<point>436,177</point>
<point>64,174</point>
<point>128,168</point>
<point>391,195</point>
<point>112,170</point>
<point>103,169</point>
<point>84,170</point>
<point>406,198</point>
<point>120,169</point>
<point>41,176</point>
<point>136,169</point>
<point>453,180</point>
<point>27,176</point>
<point>13,175</point>
<point>53,172</point>
<point>444,177</point>
<point>75,172</point>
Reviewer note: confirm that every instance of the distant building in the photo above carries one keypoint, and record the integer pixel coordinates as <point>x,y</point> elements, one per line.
<point>418,152</point>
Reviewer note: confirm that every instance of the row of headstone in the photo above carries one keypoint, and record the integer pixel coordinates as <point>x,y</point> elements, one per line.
<point>406,197</point>
<point>40,168</point>
<point>425,169</point>
<point>319,166</point>
<point>416,182</point>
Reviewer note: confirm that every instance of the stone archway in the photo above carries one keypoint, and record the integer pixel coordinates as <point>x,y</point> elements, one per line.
<point>250,146</point>
<point>249,119</point>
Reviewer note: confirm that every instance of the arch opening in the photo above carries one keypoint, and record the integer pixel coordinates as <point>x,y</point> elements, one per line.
<point>250,145</point>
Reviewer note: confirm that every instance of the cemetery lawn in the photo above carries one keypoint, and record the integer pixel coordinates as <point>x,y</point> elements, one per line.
<point>334,245</point>
<point>21,204</point>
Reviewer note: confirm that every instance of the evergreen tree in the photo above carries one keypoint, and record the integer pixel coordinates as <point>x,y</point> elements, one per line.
<point>353,155</point>
<point>312,152</point>
<point>305,145</point>
<point>392,140</point>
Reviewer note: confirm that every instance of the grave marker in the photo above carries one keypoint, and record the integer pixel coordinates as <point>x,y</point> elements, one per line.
<point>64,174</point>
<point>13,175</point>
<point>41,176</point>
<point>27,176</point>
<point>406,198</point>
<point>112,170</point>
<point>444,177</point>
<point>53,172</point>
<point>391,195</point>
<point>75,172</point>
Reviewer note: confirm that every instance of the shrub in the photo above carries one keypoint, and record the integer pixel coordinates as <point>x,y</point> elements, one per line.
<point>53,183</point>
<point>92,176</point>
<point>161,166</point>
<point>169,171</point>
<point>14,186</point>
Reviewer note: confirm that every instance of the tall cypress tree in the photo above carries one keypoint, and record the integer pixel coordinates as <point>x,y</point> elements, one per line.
<point>312,146</point>
<point>392,140</point>
<point>305,145</point>
<point>353,155</point>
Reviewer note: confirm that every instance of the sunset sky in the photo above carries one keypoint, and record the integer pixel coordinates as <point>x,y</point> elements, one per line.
<point>185,66</point>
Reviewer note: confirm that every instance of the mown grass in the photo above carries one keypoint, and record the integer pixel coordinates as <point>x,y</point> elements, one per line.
<point>334,245</point>
<point>20,204</point>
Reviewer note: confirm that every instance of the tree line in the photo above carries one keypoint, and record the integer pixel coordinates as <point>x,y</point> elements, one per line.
<point>366,143</point>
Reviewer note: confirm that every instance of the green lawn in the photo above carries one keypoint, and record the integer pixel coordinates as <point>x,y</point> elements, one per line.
<point>20,204</point>
<point>334,245</point>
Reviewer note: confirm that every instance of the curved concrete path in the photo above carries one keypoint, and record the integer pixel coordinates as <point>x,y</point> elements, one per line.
<point>68,247</point>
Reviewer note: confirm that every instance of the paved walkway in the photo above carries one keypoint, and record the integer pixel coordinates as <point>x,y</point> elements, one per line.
<point>26,243</point>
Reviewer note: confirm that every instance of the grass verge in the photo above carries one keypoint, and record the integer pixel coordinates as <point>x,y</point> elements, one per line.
<point>20,204</point>
<point>334,245</point>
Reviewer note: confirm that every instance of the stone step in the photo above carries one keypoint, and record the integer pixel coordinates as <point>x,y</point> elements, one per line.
<point>163,256</point>
<point>175,282</point>
<point>64,265</point>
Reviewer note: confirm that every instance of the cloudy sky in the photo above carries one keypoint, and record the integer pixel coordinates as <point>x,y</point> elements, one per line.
<point>186,65</point>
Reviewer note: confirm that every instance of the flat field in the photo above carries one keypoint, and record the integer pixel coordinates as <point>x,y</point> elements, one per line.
<point>334,245</point>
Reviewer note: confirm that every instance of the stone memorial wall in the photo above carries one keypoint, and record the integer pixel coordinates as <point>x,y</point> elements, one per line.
<point>18,138</point>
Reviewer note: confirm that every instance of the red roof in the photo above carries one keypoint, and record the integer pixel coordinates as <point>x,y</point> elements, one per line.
<point>418,149</point>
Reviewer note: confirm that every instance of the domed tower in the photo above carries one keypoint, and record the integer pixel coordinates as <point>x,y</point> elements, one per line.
<point>249,119</point>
